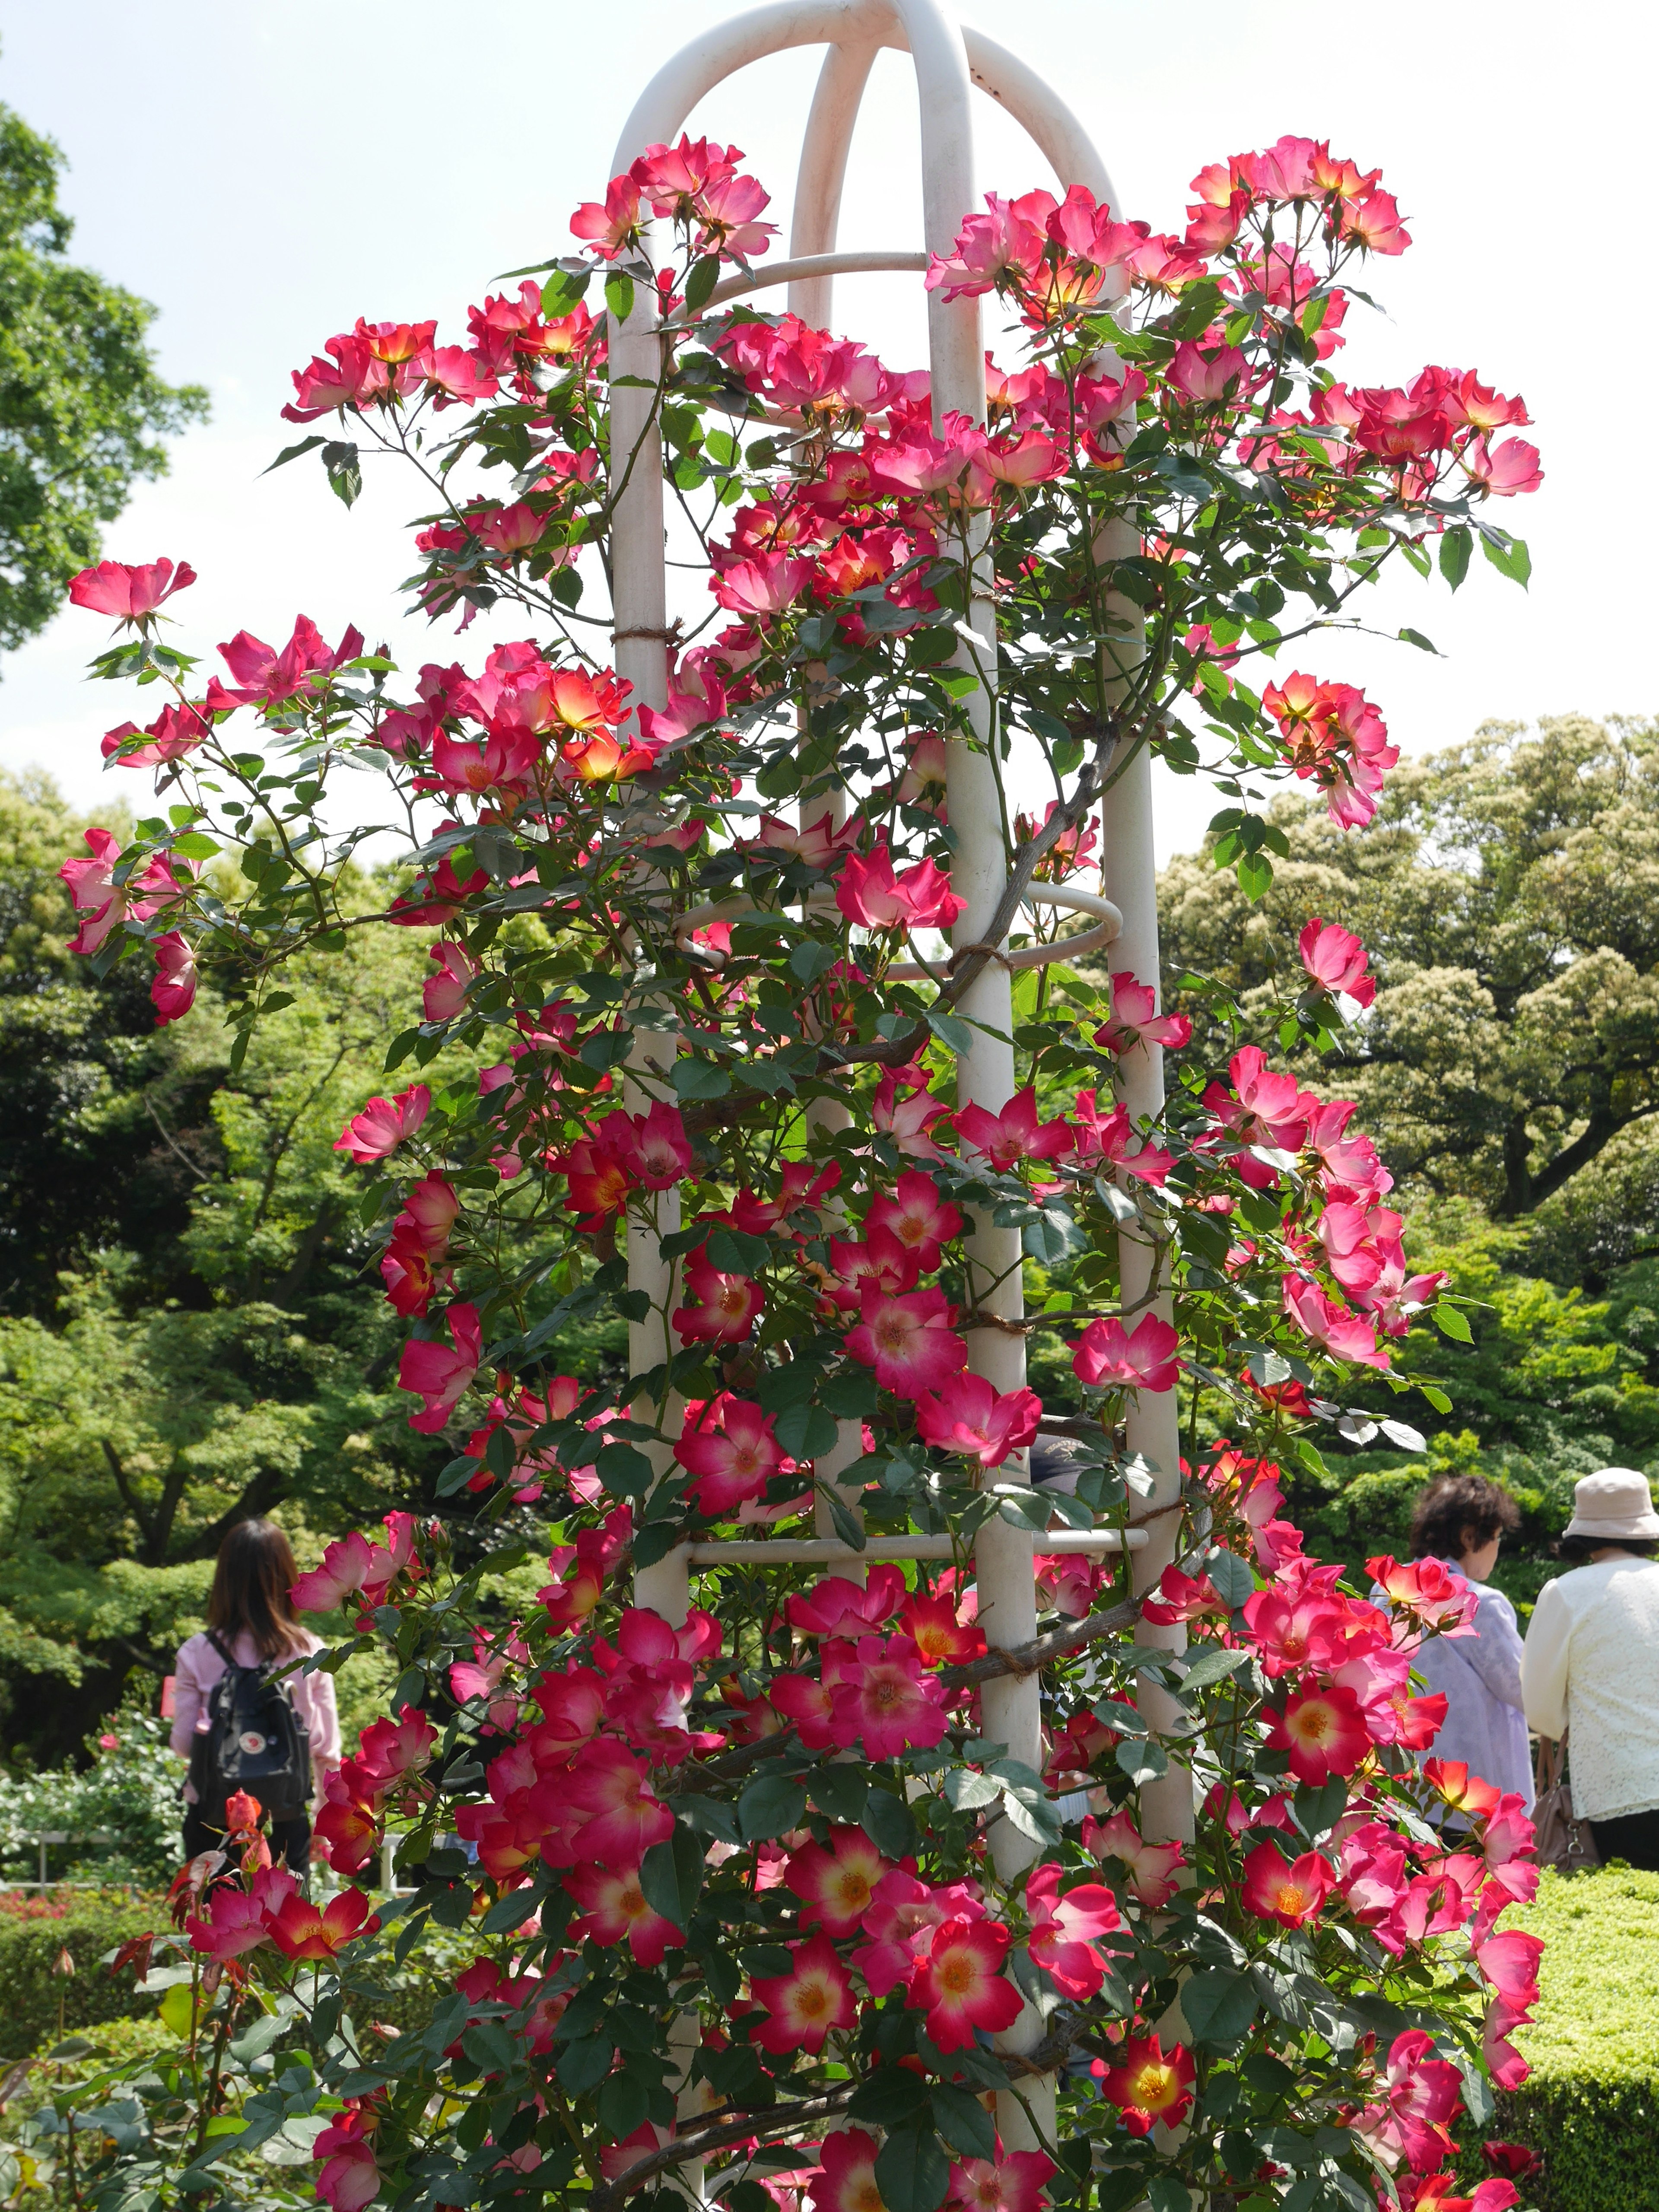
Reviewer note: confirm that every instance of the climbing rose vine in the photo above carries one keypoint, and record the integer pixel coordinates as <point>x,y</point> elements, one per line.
<point>734,1922</point>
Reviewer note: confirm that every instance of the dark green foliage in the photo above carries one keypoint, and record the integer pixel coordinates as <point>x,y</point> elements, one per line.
<point>82,409</point>
<point>1591,2105</point>
<point>96,1921</point>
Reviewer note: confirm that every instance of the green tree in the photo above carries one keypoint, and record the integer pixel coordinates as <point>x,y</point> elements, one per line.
<point>1508,896</point>
<point>192,1323</point>
<point>82,411</point>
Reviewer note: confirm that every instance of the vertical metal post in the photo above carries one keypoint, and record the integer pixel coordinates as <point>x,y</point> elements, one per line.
<point>942,52</point>
<point>1011,1705</point>
<point>1153,1422</point>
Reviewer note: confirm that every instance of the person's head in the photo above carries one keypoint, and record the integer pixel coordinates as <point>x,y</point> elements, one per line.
<point>255,1572</point>
<point>1612,1512</point>
<point>1463,1517</point>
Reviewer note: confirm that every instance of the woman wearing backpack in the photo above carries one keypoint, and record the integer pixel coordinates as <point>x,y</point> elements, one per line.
<point>258,1730</point>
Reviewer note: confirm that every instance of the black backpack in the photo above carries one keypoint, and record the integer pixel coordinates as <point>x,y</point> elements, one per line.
<point>254,1742</point>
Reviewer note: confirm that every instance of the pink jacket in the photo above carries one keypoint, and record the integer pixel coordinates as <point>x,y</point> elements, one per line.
<point>198,1666</point>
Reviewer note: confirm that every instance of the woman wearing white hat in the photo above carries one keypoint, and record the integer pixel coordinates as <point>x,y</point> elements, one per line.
<point>1591,1662</point>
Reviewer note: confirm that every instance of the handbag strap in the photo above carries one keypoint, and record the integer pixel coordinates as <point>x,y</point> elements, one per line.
<point>1552,1754</point>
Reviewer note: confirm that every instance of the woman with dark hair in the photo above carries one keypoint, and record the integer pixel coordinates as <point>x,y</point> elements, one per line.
<point>1461,1520</point>
<point>251,1622</point>
<point>1592,1663</point>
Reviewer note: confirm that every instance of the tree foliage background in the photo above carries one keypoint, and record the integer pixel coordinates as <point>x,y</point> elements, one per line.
<point>1509,894</point>
<point>192,1323</point>
<point>82,411</point>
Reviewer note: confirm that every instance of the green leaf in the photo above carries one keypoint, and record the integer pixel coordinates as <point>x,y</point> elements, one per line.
<point>1167,2193</point>
<point>1511,560</point>
<point>293,452</point>
<point>259,2038</point>
<point>619,295</point>
<point>1212,1668</point>
<point>561,291</point>
<point>788,1385</point>
<point>705,275</point>
<point>1455,547</point>
<point>850,1395</point>
<point>1437,1399</point>
<point>912,2172</point>
<point>345,475</point>
<point>624,1472</point>
<point>713,1816</point>
<point>1451,1322</point>
<point>700,1079</point>
<point>848,1527</point>
<point>585,2063</point>
<point>963,2121</point>
<point>671,1876</point>
<point>623,2106</point>
<point>1141,1760</point>
<point>1319,1810</point>
<point>769,1806</point>
<point>806,1431</point>
<point>887,1822</point>
<point>889,2097</point>
<point>1232,1578</point>
<point>967,1791</point>
<point>1121,2188</point>
<point>809,961</point>
<point>1423,644</point>
<point>735,1252</point>
<point>838,1791</point>
<point>954,1035</point>
<point>1256,875</point>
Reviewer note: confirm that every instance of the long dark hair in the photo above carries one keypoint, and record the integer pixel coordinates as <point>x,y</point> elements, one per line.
<point>256,1571</point>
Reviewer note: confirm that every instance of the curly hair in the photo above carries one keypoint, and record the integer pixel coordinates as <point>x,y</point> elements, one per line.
<point>1456,1505</point>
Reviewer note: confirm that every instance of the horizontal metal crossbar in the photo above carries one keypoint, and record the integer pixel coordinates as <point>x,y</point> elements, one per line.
<point>870,262</point>
<point>1069,898</point>
<point>829,1551</point>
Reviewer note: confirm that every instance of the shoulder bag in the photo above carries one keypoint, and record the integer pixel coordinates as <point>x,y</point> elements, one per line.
<point>1565,1842</point>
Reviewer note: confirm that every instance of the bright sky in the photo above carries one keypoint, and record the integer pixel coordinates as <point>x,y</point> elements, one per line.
<point>265,173</point>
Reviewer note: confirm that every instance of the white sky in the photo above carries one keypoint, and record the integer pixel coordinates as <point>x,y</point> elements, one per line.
<point>265,173</point>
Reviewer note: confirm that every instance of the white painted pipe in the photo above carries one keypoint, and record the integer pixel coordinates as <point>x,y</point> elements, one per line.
<point>943,56</point>
<point>830,1552</point>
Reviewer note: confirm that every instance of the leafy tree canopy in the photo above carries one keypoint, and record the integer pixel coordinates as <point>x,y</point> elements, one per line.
<point>1508,896</point>
<point>192,1323</point>
<point>82,411</point>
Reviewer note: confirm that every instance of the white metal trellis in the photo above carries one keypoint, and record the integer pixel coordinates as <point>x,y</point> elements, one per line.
<point>949,60</point>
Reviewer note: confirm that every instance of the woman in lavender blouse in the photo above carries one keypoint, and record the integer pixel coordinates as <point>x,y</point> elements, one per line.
<point>1463,1520</point>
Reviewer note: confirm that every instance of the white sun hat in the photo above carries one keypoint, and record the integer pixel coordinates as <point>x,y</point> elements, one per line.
<point>1614,1503</point>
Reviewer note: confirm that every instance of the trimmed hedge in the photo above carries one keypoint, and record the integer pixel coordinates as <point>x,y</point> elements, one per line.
<point>86,1924</point>
<point>1590,2106</point>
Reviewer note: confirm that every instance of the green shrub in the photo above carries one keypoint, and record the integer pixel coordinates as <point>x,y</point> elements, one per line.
<point>129,1794</point>
<point>86,1924</point>
<point>1591,2105</point>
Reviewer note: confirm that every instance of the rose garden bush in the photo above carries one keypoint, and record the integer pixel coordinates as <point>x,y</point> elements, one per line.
<point>759,1904</point>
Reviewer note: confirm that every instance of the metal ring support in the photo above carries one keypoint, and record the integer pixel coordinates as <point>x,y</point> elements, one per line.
<point>806,266</point>
<point>1106,931</point>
